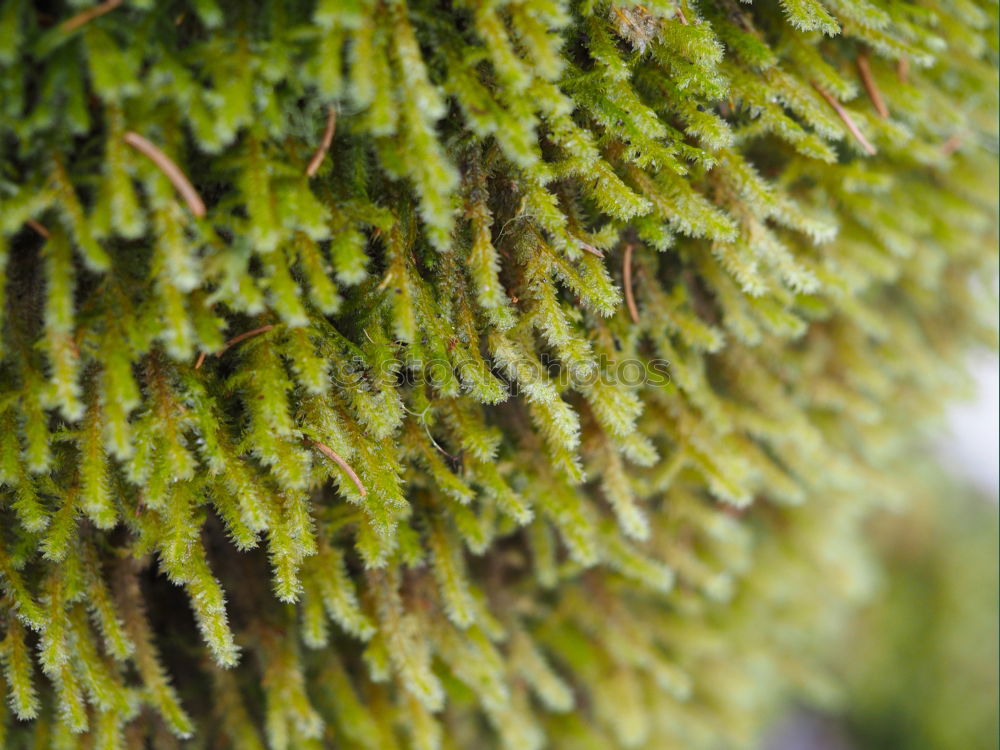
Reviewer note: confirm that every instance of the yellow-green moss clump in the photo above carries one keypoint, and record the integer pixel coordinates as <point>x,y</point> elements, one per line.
<point>381,374</point>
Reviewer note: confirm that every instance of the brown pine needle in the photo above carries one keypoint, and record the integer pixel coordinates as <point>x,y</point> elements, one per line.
<point>873,93</point>
<point>586,247</point>
<point>72,24</point>
<point>333,456</point>
<point>903,70</point>
<point>846,117</point>
<point>681,17</point>
<point>232,342</point>
<point>171,170</point>
<point>624,18</point>
<point>633,311</point>
<point>243,337</point>
<point>951,145</point>
<point>39,228</point>
<point>324,144</point>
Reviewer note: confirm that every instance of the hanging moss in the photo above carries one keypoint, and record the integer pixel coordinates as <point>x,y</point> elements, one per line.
<point>467,374</point>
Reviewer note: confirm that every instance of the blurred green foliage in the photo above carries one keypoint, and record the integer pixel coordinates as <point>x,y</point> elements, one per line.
<point>922,664</point>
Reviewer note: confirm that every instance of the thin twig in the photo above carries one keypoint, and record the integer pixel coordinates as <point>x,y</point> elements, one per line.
<point>324,144</point>
<point>681,17</point>
<point>633,311</point>
<point>951,145</point>
<point>848,121</point>
<point>625,18</point>
<point>903,70</point>
<point>72,24</point>
<point>332,455</point>
<point>242,337</point>
<point>171,170</point>
<point>869,81</point>
<point>232,342</point>
<point>39,228</point>
<point>586,247</point>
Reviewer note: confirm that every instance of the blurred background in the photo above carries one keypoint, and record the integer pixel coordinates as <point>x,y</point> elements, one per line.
<point>921,665</point>
<point>970,443</point>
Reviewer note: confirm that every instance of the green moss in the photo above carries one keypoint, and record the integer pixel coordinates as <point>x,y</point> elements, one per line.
<point>542,408</point>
